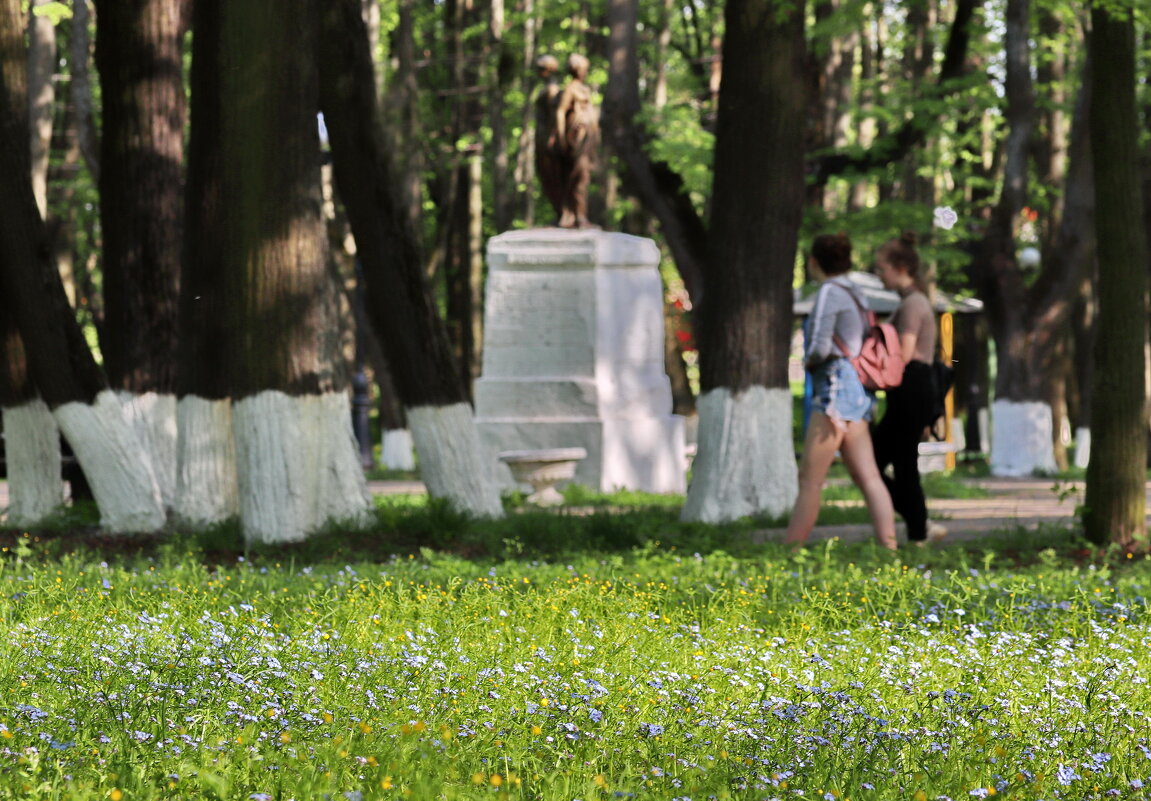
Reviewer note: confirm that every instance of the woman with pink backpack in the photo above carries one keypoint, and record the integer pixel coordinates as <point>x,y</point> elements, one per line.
<point>841,406</point>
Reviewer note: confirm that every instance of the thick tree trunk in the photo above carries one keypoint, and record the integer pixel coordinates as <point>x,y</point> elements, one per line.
<point>59,362</point>
<point>1116,476</point>
<point>400,305</point>
<point>139,54</point>
<point>746,463</point>
<point>297,462</point>
<point>207,489</point>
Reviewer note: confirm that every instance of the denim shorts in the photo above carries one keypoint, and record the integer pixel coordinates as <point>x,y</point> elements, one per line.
<point>838,393</point>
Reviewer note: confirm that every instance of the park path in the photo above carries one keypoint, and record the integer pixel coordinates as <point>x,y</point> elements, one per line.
<point>1009,503</point>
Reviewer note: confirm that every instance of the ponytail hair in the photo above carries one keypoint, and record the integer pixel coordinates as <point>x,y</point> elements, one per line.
<point>900,252</point>
<point>832,252</point>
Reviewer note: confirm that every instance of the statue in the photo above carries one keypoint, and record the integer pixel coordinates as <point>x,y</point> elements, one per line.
<point>547,158</point>
<point>571,140</point>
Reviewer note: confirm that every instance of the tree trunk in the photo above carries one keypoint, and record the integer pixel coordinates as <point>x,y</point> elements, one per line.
<point>525,155</point>
<point>41,97</point>
<point>31,439</point>
<point>746,462</point>
<point>59,362</point>
<point>139,55</point>
<point>1116,475</point>
<point>297,462</point>
<point>207,489</point>
<point>400,304</point>
<point>658,188</point>
<point>80,51</point>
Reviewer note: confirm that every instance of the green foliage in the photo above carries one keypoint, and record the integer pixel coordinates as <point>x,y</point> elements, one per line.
<point>55,11</point>
<point>652,672</point>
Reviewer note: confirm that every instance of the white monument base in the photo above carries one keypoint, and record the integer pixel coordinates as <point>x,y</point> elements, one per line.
<point>574,358</point>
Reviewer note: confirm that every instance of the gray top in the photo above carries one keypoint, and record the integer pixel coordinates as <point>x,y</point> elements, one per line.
<point>834,312</point>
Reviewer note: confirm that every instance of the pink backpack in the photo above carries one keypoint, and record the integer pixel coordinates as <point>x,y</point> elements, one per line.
<point>880,360</point>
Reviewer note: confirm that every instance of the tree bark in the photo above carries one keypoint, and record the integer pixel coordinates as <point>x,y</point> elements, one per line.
<point>656,185</point>
<point>745,317</point>
<point>80,52</point>
<point>139,55</point>
<point>400,304</point>
<point>297,462</point>
<point>1116,475</point>
<point>59,362</point>
<point>41,98</point>
<point>207,489</point>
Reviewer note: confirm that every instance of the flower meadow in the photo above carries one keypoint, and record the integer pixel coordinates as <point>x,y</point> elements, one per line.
<point>838,673</point>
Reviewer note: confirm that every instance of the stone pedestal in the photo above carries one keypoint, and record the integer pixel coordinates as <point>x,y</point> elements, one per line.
<point>574,357</point>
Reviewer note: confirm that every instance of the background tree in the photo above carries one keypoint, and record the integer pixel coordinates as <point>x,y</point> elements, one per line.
<point>297,462</point>
<point>59,361</point>
<point>139,54</point>
<point>746,461</point>
<point>401,308</point>
<point>207,488</point>
<point>1116,475</point>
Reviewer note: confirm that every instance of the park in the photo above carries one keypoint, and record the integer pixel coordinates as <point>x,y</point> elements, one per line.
<point>416,400</point>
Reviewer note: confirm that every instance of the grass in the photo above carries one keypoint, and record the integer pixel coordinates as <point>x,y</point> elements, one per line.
<point>562,656</point>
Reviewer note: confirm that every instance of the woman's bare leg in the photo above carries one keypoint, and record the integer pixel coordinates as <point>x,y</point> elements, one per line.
<point>859,456</point>
<point>819,446</point>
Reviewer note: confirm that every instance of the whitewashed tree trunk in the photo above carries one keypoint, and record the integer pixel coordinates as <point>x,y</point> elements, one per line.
<point>32,454</point>
<point>1021,438</point>
<point>206,489</point>
<point>453,465</point>
<point>115,463</point>
<point>745,463</point>
<point>297,465</point>
<point>153,417</point>
<point>1082,447</point>
<point>397,451</point>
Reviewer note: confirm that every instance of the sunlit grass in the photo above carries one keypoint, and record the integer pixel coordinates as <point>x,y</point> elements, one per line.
<point>652,672</point>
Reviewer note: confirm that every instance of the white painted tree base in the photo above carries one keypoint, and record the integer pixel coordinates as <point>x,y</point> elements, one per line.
<point>1021,438</point>
<point>153,417</point>
<point>453,466</point>
<point>1082,447</point>
<point>297,465</point>
<point>206,489</point>
<point>32,456</point>
<point>397,451</point>
<point>115,463</point>
<point>745,462</point>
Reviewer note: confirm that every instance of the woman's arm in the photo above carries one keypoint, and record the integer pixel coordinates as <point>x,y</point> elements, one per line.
<point>907,341</point>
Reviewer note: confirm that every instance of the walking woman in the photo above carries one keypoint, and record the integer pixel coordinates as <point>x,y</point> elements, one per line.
<point>909,406</point>
<point>841,407</point>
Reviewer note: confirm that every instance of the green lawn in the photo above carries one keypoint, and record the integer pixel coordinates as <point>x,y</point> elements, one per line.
<point>584,669</point>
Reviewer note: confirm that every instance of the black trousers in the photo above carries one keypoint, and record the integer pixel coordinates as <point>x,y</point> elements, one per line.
<point>896,440</point>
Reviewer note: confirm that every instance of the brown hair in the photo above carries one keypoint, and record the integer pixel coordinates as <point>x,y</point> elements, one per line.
<point>901,253</point>
<point>832,252</point>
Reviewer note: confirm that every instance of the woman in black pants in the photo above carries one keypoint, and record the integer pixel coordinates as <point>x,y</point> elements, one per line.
<point>896,437</point>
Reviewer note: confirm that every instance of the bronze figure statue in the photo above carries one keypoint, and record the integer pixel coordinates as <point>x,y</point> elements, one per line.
<point>547,158</point>
<point>571,141</point>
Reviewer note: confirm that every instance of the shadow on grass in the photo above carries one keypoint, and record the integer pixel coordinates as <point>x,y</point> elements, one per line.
<point>404,525</point>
